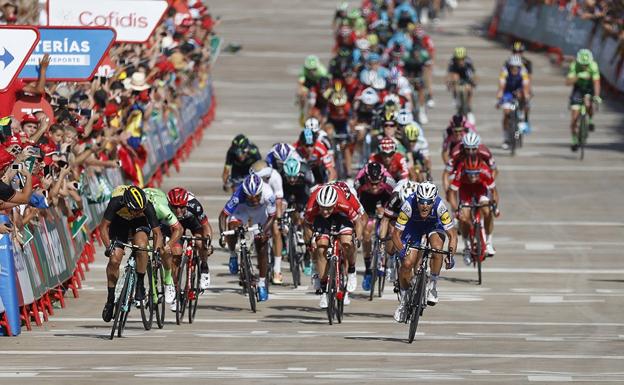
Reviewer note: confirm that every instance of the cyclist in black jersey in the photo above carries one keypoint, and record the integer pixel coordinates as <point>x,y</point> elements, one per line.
<point>128,214</point>
<point>239,158</point>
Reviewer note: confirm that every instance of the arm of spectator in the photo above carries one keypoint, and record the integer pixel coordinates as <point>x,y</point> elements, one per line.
<point>56,187</point>
<point>23,196</point>
<point>89,126</point>
<point>44,124</point>
<point>30,213</point>
<point>39,87</point>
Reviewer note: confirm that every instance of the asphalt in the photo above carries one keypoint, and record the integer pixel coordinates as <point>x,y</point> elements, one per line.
<point>549,309</point>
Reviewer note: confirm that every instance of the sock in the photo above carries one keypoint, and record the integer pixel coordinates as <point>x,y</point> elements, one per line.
<point>167,277</point>
<point>488,238</point>
<point>434,279</point>
<point>367,264</point>
<point>277,264</point>
<point>351,269</point>
<point>466,243</point>
<point>111,295</point>
<point>141,279</point>
<point>262,282</point>
<point>403,293</point>
<point>233,254</point>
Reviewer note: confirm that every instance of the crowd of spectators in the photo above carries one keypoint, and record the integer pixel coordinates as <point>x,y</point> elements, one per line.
<point>46,154</point>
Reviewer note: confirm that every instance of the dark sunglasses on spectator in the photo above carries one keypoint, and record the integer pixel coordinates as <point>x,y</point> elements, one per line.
<point>425,202</point>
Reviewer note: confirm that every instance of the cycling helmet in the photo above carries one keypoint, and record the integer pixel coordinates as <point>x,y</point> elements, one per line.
<point>240,141</point>
<point>471,140</point>
<point>517,47</point>
<point>260,168</point>
<point>339,99</point>
<point>458,120</point>
<point>312,124</point>
<point>307,137</point>
<point>378,83</point>
<point>426,191</point>
<point>459,53</point>
<point>404,117</point>
<point>252,185</point>
<point>515,61</point>
<point>354,14</point>
<point>374,58</point>
<point>292,166</point>
<point>389,116</point>
<point>282,150</point>
<point>472,165</point>
<point>374,172</point>
<point>178,196</point>
<point>134,198</point>
<point>407,189</point>
<point>312,62</point>
<point>387,146</point>
<point>362,44</point>
<point>327,197</point>
<point>584,57</point>
<point>369,97</point>
<point>412,132</point>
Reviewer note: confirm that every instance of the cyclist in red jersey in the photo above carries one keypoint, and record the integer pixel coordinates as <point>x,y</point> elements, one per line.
<point>469,147</point>
<point>473,179</point>
<point>394,162</point>
<point>317,155</point>
<point>327,206</point>
<point>455,131</point>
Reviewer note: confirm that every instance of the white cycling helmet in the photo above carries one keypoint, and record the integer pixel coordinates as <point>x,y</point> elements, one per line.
<point>404,117</point>
<point>379,83</point>
<point>369,97</point>
<point>471,140</point>
<point>515,61</point>
<point>327,197</point>
<point>252,186</point>
<point>426,191</point>
<point>313,124</point>
<point>407,189</point>
<point>362,44</point>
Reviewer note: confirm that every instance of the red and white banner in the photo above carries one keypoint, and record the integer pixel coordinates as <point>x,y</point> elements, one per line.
<point>133,20</point>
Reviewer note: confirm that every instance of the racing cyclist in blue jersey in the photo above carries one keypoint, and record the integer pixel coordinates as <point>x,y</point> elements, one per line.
<point>423,213</point>
<point>513,84</point>
<point>278,154</point>
<point>252,203</point>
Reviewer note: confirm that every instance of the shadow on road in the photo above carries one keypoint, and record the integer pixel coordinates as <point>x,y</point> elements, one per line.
<point>607,280</point>
<point>459,280</point>
<point>221,308</point>
<point>386,339</point>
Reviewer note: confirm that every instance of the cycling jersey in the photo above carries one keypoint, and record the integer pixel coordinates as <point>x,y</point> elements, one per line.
<point>469,190</point>
<point>397,166</point>
<point>362,183</point>
<point>393,207</point>
<point>297,189</point>
<point>458,154</point>
<point>414,226</point>
<point>273,159</point>
<point>240,169</point>
<point>117,209</point>
<point>194,216</point>
<point>310,78</point>
<point>450,141</point>
<point>239,209</point>
<point>585,76</point>
<point>343,207</point>
<point>319,159</point>
<point>513,82</point>
<point>413,66</point>
<point>161,205</point>
<point>466,72</point>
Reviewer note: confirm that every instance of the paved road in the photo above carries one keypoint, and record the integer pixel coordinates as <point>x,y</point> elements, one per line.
<point>549,309</point>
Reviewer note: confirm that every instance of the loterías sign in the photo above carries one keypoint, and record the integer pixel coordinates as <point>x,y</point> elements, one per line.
<point>133,20</point>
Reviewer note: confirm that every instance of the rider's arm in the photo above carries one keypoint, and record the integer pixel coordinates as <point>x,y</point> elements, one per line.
<point>571,78</point>
<point>595,78</point>
<point>104,226</point>
<point>227,169</point>
<point>223,216</point>
<point>176,233</point>
<point>152,221</point>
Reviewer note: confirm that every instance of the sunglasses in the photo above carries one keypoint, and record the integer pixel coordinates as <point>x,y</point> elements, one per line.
<point>425,202</point>
<point>473,172</point>
<point>178,207</point>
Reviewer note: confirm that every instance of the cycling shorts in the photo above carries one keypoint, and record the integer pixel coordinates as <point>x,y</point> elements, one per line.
<point>467,192</point>
<point>121,229</point>
<point>323,226</point>
<point>341,127</point>
<point>576,98</point>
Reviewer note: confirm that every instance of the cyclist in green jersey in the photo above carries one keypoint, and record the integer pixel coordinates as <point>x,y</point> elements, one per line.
<point>310,74</point>
<point>584,75</point>
<point>171,227</point>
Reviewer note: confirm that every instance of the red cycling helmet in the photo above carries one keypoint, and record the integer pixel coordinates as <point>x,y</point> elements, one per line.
<point>177,196</point>
<point>387,146</point>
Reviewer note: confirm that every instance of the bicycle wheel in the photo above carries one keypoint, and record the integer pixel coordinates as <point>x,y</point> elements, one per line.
<point>159,288</point>
<point>340,296</point>
<point>147,305</point>
<point>417,299</point>
<point>194,289</point>
<point>373,268</point>
<point>181,293</point>
<point>382,277</point>
<point>293,257</point>
<point>479,250</point>
<point>248,279</point>
<point>511,129</point>
<point>331,291</point>
<point>582,135</point>
<point>128,302</point>
<point>120,300</point>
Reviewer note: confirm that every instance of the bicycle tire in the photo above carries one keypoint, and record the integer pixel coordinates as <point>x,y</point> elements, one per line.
<point>117,313</point>
<point>180,293</point>
<point>461,105</point>
<point>340,299</point>
<point>293,257</point>
<point>582,135</point>
<point>123,318</point>
<point>159,306</point>
<point>513,127</point>
<point>382,278</point>
<point>147,306</point>
<point>373,268</point>
<point>194,290</point>
<point>417,298</point>
<point>479,251</point>
<point>248,278</point>
<point>331,291</point>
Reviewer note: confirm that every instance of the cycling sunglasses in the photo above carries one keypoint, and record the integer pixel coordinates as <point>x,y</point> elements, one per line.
<point>425,202</point>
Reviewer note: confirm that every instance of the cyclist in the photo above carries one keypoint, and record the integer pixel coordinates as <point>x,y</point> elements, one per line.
<point>316,155</point>
<point>240,156</point>
<point>373,185</point>
<point>128,214</point>
<point>461,72</point>
<point>192,216</point>
<point>366,108</point>
<point>390,131</point>
<point>252,203</point>
<point>418,148</point>
<point>393,161</point>
<point>327,206</point>
<point>416,68</point>
<point>469,147</point>
<point>314,125</point>
<point>473,179</point>
<point>311,72</point>
<point>279,153</point>
<point>513,84</point>
<point>338,117</point>
<point>518,48</point>
<point>274,180</point>
<point>458,127</point>
<point>421,39</point>
<point>584,75</point>
<point>423,213</point>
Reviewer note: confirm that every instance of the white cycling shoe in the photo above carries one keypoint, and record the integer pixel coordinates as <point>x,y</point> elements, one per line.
<point>204,281</point>
<point>346,299</point>
<point>351,282</point>
<point>489,249</point>
<point>169,293</point>
<point>432,294</point>
<point>323,301</point>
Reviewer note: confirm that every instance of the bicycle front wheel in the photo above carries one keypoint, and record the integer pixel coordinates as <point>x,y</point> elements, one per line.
<point>159,298</point>
<point>582,135</point>
<point>118,305</point>
<point>194,289</point>
<point>373,268</point>
<point>181,293</point>
<point>293,257</point>
<point>417,299</point>
<point>147,305</point>
<point>248,279</point>
<point>331,292</point>
<point>128,301</point>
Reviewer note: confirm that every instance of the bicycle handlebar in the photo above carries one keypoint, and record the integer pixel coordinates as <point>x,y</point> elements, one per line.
<point>425,248</point>
<point>194,238</point>
<point>241,230</point>
<point>478,205</point>
<point>131,246</point>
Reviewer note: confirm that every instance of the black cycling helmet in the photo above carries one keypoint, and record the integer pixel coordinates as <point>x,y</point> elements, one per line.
<point>240,141</point>
<point>458,120</point>
<point>374,172</point>
<point>518,47</point>
<point>134,198</point>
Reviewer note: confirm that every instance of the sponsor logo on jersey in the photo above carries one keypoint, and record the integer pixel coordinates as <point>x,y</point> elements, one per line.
<point>445,218</point>
<point>403,218</point>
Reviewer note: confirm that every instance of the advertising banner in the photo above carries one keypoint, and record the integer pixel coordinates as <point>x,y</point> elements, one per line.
<point>8,282</point>
<point>17,44</point>
<point>75,52</point>
<point>133,20</point>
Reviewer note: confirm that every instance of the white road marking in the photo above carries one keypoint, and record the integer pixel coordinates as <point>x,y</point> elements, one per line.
<point>538,246</point>
<point>549,378</point>
<point>552,299</point>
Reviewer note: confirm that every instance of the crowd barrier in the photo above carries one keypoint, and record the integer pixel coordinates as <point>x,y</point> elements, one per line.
<point>57,250</point>
<point>550,26</point>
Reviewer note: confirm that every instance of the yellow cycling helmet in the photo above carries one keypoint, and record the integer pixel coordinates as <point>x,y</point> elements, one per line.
<point>412,132</point>
<point>459,53</point>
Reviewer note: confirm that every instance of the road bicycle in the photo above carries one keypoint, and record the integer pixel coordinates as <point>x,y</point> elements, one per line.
<point>294,244</point>
<point>379,263</point>
<point>188,279</point>
<point>583,124</point>
<point>336,288</point>
<point>513,129</point>
<point>477,235</point>
<point>247,275</point>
